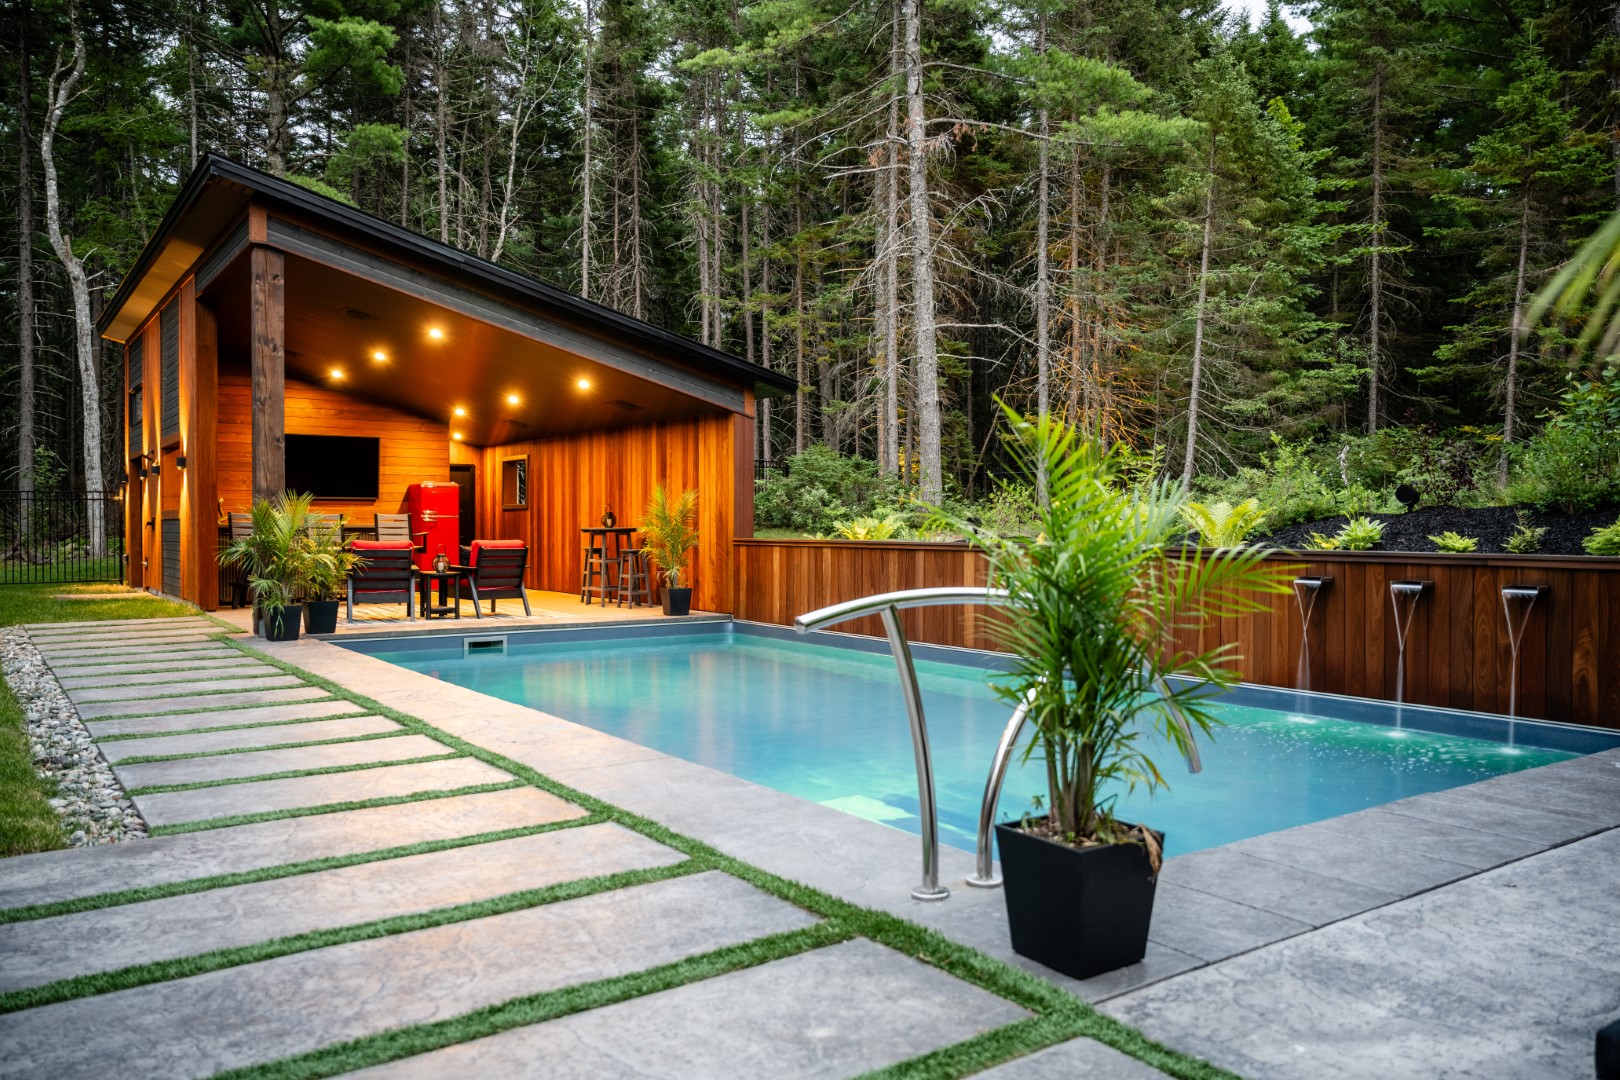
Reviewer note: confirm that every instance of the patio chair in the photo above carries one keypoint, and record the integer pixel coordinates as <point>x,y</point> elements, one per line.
<point>396,527</point>
<point>495,572</point>
<point>386,577</point>
<point>314,522</point>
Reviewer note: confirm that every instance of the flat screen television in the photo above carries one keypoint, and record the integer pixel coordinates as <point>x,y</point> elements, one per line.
<point>333,466</point>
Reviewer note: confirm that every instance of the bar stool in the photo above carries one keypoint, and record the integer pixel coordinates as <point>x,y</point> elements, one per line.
<point>594,564</point>
<point>634,578</point>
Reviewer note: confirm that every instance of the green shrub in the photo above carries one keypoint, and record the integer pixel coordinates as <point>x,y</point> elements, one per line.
<point>1220,524</point>
<point>870,528</point>
<point>1604,541</point>
<point>1574,463</point>
<point>1360,534</point>
<point>1526,538</point>
<point>822,488</point>
<point>1011,510</point>
<point>1454,542</point>
<point>1288,482</point>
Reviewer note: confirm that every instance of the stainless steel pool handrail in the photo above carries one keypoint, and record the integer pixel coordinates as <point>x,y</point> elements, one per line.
<point>888,606</point>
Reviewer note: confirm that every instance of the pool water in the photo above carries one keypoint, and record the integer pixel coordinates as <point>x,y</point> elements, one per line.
<point>827,723</point>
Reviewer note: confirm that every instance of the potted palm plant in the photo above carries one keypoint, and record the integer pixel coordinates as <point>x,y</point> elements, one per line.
<point>671,531</point>
<point>1095,601</point>
<point>327,569</point>
<point>276,555</point>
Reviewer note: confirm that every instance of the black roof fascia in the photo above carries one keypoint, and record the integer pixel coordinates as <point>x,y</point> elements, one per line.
<point>656,338</point>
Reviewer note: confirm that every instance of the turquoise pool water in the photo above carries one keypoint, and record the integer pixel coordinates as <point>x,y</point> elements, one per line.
<point>827,723</point>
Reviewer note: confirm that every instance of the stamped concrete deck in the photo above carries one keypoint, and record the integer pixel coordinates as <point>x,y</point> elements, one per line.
<point>1451,928</point>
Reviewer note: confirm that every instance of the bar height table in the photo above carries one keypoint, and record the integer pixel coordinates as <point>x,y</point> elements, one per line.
<point>596,548</point>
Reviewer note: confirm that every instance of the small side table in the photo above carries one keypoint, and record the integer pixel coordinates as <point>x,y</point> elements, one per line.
<point>448,580</point>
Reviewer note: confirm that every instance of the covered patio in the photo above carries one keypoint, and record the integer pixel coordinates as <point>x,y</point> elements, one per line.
<point>264,325</point>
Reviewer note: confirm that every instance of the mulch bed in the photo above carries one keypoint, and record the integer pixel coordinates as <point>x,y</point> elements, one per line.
<point>1491,525</point>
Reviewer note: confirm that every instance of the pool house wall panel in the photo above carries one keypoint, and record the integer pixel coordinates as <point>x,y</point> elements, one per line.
<point>572,479</point>
<point>411,449</point>
<point>1457,655</point>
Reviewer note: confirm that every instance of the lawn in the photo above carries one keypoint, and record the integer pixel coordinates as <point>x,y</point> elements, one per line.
<point>27,822</point>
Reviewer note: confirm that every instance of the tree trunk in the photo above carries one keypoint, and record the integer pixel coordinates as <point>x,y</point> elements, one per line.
<point>891,255</point>
<point>801,371</point>
<point>1043,283</point>
<point>440,124</point>
<point>59,93</point>
<point>1375,266</point>
<point>588,123</point>
<point>25,280</point>
<point>1511,389</point>
<point>766,405</point>
<point>1193,394</point>
<point>922,265</point>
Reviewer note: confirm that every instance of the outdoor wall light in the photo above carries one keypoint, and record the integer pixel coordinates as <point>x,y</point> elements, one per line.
<point>512,399</point>
<point>180,461</point>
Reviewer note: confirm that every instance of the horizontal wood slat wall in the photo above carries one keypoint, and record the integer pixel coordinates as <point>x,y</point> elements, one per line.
<point>1457,653</point>
<point>571,480</point>
<point>412,449</point>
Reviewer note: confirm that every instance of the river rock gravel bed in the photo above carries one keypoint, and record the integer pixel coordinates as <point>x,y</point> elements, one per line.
<point>90,801</point>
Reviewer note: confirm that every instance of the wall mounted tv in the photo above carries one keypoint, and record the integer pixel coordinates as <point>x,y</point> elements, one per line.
<point>333,466</point>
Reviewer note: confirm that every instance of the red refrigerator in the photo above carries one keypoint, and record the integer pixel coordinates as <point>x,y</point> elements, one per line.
<point>434,508</point>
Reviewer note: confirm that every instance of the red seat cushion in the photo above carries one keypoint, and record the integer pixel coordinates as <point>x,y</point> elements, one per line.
<point>480,545</point>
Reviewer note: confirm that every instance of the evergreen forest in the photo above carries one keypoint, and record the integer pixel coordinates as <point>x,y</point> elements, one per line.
<point>1231,249</point>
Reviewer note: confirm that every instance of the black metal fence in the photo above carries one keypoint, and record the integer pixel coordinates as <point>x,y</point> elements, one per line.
<point>51,537</point>
<point>763,468</point>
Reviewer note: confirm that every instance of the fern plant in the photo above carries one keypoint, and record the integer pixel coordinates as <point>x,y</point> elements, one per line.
<point>1322,542</point>
<point>1526,538</point>
<point>870,528</point>
<point>1220,524</point>
<point>1360,534</point>
<point>1454,542</point>
<point>1604,541</point>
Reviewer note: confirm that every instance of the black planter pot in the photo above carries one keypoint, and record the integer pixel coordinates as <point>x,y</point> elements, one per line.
<point>1081,911</point>
<point>677,601</point>
<point>281,625</point>
<point>320,616</point>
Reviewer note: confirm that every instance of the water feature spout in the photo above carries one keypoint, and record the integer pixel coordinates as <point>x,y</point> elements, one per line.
<point>1306,590</point>
<point>1403,600</point>
<point>1517,600</point>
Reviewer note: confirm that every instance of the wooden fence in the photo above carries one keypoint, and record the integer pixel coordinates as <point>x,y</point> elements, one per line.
<point>1457,651</point>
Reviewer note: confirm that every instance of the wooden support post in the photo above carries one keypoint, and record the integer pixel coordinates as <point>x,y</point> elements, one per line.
<point>199,383</point>
<point>268,339</point>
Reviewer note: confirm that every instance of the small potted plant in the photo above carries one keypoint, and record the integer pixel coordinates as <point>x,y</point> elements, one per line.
<point>276,555</point>
<point>671,531</point>
<point>327,569</point>
<point>1094,603</point>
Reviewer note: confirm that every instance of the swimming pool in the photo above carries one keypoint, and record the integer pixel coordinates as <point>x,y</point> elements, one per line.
<point>822,718</point>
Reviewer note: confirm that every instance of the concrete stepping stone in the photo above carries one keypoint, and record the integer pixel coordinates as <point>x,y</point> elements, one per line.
<point>202,665</point>
<point>151,651</point>
<point>97,624</point>
<point>46,950</point>
<point>197,722</point>
<point>214,742</point>
<point>833,1012</point>
<point>264,796</point>
<point>1075,1059</point>
<point>211,652</point>
<point>97,710</point>
<point>294,1004</point>
<point>242,669</point>
<point>263,762</point>
<point>131,637</point>
<point>164,692</point>
<point>54,876</point>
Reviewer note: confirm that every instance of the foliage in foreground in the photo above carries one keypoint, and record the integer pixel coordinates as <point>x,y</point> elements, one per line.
<point>1095,604</point>
<point>1604,541</point>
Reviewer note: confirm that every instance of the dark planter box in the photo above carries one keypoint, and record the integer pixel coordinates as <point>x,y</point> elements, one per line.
<point>320,616</point>
<point>1081,911</point>
<point>677,601</point>
<point>282,625</point>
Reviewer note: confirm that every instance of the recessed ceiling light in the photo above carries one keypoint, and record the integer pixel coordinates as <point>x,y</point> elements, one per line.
<point>456,435</point>
<point>512,399</point>
<point>584,384</point>
<point>379,355</point>
<point>336,373</point>
<point>435,333</point>
<point>459,411</point>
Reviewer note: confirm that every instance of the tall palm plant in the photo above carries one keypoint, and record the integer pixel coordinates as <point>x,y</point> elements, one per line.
<point>277,553</point>
<point>1096,602</point>
<point>670,526</point>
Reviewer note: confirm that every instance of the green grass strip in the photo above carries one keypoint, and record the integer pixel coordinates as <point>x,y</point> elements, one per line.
<point>1069,1016</point>
<point>537,1008</point>
<point>107,982</point>
<point>202,675</point>
<point>203,709</point>
<point>288,774</point>
<point>126,736</point>
<point>271,873</point>
<point>327,808</point>
<point>147,759</point>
